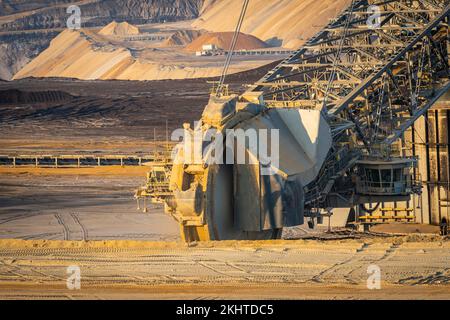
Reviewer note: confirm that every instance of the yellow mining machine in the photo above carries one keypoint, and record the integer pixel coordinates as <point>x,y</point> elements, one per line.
<point>336,108</point>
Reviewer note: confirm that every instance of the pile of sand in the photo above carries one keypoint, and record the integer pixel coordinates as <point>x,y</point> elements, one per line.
<point>182,37</point>
<point>223,40</point>
<point>119,29</point>
<point>287,23</point>
<point>84,55</point>
<point>72,55</point>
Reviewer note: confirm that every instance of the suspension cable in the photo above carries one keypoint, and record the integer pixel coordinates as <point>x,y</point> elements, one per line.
<point>232,48</point>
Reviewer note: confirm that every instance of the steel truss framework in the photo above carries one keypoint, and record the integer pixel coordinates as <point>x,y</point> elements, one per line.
<point>380,75</point>
<point>372,76</point>
<point>371,80</point>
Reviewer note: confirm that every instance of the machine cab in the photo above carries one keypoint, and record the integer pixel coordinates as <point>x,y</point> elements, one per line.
<point>391,177</point>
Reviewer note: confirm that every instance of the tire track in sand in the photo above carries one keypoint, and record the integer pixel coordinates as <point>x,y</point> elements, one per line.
<point>66,230</point>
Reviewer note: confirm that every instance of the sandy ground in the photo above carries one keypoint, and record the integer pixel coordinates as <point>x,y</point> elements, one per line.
<point>97,204</point>
<point>51,219</point>
<point>76,205</point>
<point>234,270</point>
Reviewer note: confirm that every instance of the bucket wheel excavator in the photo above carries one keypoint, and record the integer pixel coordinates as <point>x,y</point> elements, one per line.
<point>339,105</point>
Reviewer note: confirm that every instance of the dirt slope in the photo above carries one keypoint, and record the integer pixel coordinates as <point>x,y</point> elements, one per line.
<point>182,37</point>
<point>28,26</point>
<point>119,29</point>
<point>286,23</point>
<point>87,56</point>
<point>223,41</point>
<point>72,55</point>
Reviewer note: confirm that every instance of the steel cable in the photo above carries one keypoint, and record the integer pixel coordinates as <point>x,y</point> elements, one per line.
<point>232,47</point>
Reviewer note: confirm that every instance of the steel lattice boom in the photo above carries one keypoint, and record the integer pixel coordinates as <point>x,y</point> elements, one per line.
<point>380,74</point>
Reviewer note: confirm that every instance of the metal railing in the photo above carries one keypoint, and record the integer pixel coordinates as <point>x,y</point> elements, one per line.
<point>81,161</point>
